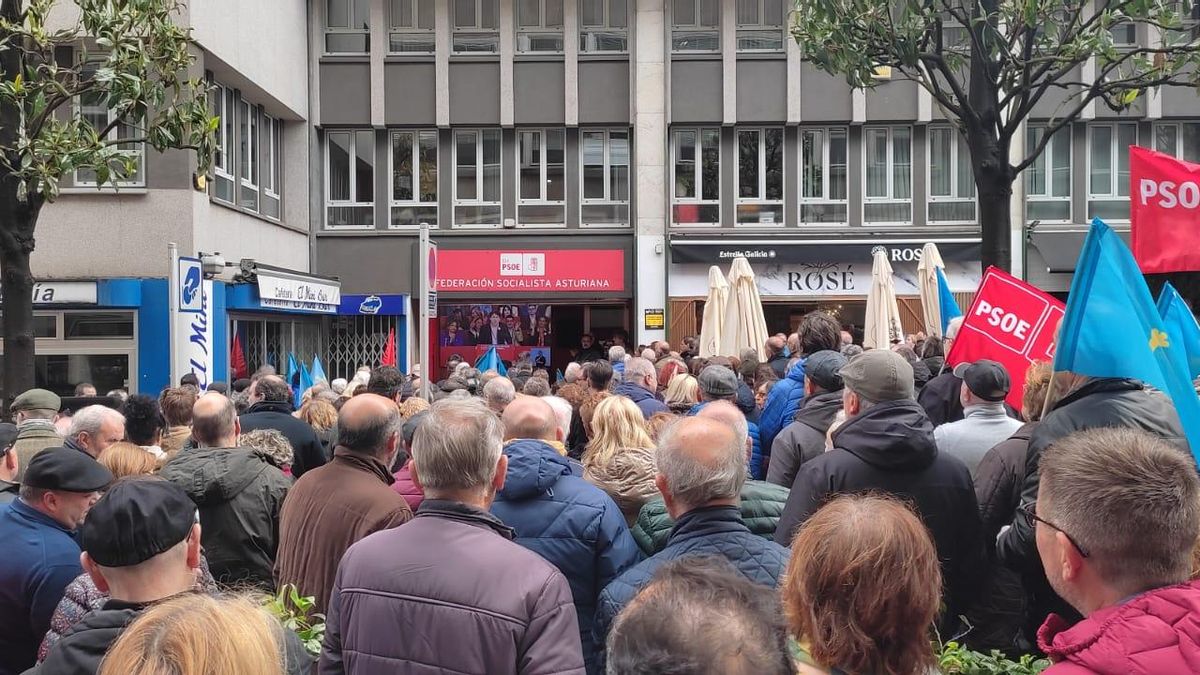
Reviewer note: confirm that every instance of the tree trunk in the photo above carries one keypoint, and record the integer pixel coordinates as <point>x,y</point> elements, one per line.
<point>16,284</point>
<point>995,223</point>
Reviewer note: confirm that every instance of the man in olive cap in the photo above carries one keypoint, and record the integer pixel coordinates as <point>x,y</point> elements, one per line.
<point>35,412</point>
<point>887,445</point>
<point>8,463</point>
<point>41,555</point>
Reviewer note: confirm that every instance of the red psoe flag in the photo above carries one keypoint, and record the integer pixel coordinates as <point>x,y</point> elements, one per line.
<point>237,359</point>
<point>1164,196</point>
<point>389,352</point>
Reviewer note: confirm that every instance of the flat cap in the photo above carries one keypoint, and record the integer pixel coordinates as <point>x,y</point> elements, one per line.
<point>718,381</point>
<point>880,375</point>
<point>137,519</point>
<point>37,399</point>
<point>824,369</point>
<point>67,470</point>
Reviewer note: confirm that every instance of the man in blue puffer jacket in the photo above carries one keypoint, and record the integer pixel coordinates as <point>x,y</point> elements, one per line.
<point>818,331</point>
<point>571,523</point>
<point>718,383</point>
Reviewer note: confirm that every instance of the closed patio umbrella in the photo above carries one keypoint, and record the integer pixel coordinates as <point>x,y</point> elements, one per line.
<point>927,282</point>
<point>883,315</point>
<point>745,325</point>
<point>714,313</point>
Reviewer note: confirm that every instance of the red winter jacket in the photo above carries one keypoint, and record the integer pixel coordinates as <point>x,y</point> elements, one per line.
<point>1155,632</point>
<point>405,486</point>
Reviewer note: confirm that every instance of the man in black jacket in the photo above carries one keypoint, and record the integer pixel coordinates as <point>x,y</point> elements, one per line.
<point>804,439</point>
<point>886,445</point>
<point>271,408</point>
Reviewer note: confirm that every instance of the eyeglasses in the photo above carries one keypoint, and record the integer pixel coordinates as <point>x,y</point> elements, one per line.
<point>1030,512</point>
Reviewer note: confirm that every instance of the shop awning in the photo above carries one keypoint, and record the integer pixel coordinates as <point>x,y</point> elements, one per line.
<point>288,290</point>
<point>718,251</point>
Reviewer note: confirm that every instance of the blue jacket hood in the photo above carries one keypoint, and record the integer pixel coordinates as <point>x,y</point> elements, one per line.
<point>533,468</point>
<point>796,372</point>
<point>632,392</point>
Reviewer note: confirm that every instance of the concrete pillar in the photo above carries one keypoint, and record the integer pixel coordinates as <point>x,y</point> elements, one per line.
<point>379,46</point>
<point>507,48</point>
<point>650,162</point>
<point>571,63</point>
<point>441,64</point>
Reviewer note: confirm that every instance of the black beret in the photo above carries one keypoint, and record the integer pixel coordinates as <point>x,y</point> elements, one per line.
<point>66,469</point>
<point>137,519</point>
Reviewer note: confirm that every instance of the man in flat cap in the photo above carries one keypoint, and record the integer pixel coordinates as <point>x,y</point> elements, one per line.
<point>41,555</point>
<point>35,412</point>
<point>8,463</point>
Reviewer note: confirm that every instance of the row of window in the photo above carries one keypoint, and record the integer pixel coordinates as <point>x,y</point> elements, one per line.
<point>886,167</point>
<point>538,26</point>
<point>247,162</point>
<point>412,164</point>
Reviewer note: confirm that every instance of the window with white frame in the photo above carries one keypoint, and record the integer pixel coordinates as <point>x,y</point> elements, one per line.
<point>696,176</point>
<point>1178,139</point>
<point>760,176</point>
<point>477,178</point>
<point>824,176</point>
<point>476,27</point>
<point>350,178</point>
<point>539,26</point>
<point>247,156</point>
<point>695,25</point>
<point>93,110</point>
<point>347,26</point>
<point>1188,14</point>
<point>224,103</point>
<point>603,26</point>
<point>1108,169</point>
<point>1048,178</point>
<point>887,189</point>
<point>605,157</point>
<point>951,182</point>
<point>271,163</point>
<point>412,26</point>
<point>760,25</point>
<point>414,178</point>
<point>541,177</point>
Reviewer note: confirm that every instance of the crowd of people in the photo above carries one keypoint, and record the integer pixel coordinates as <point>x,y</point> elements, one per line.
<point>822,510</point>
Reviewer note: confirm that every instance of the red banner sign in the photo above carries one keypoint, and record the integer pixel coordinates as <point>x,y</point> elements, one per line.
<point>1164,211</point>
<point>573,271</point>
<point>1010,322</point>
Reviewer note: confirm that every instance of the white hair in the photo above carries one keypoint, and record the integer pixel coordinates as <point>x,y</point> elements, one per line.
<point>457,446</point>
<point>562,413</point>
<point>573,372</point>
<point>953,327</point>
<point>648,354</point>
<point>696,476</point>
<point>90,419</point>
<point>499,391</point>
<point>338,385</point>
<point>616,354</point>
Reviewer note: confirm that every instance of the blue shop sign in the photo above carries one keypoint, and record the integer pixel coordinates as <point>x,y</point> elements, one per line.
<point>370,305</point>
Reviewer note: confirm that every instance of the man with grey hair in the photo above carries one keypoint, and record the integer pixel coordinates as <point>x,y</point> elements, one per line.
<point>498,393</point>
<point>1116,522</point>
<point>617,357</point>
<point>562,413</point>
<point>94,428</point>
<point>536,386</point>
<point>887,445</point>
<point>573,373</point>
<point>641,386</point>
<point>701,471</point>
<point>453,570</point>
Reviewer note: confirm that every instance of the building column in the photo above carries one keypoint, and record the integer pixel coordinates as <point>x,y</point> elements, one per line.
<point>729,62</point>
<point>379,46</point>
<point>507,48</point>
<point>650,164</point>
<point>441,64</point>
<point>571,63</point>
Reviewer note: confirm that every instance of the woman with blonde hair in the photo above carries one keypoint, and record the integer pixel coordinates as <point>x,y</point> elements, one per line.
<point>683,392</point>
<point>321,415</point>
<point>126,459</point>
<point>619,458</point>
<point>862,589</point>
<point>196,634</point>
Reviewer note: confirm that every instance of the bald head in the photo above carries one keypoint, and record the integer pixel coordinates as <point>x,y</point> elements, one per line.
<point>369,424</point>
<point>775,345</point>
<point>214,422</point>
<point>530,417</point>
<point>700,463</point>
<point>728,414</point>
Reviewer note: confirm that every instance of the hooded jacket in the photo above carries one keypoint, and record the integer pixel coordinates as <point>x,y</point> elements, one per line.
<point>1155,632</point>
<point>940,397</point>
<point>571,523</point>
<point>307,450</point>
<point>804,439</point>
<point>449,592</point>
<point>645,400</point>
<point>239,495</point>
<point>781,406</point>
<point>761,505</point>
<point>890,448</point>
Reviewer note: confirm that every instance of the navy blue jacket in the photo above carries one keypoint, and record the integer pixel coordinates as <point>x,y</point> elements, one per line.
<point>568,521</point>
<point>781,406</point>
<point>40,558</point>
<point>643,398</point>
<point>709,531</point>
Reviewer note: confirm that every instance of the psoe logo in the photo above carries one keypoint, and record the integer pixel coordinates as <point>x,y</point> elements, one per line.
<point>522,264</point>
<point>370,305</point>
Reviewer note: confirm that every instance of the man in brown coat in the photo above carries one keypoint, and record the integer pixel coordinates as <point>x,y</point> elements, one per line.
<point>337,504</point>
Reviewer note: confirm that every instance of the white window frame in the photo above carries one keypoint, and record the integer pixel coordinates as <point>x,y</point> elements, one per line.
<point>761,198</point>
<point>414,29</point>
<point>479,178</point>
<point>1044,194</point>
<point>543,165</point>
<point>541,29</point>
<point>761,27</point>
<point>698,171</point>
<point>826,134</point>
<point>1114,157</point>
<point>272,133</point>
<point>607,164</point>
<point>695,27</point>
<point>586,32</point>
<point>138,181</point>
<point>476,29</point>
<point>891,197</point>
<point>1187,33</point>
<point>344,30</point>
<point>955,165</point>
<point>416,171</point>
<point>352,175</point>
<point>1179,150</point>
